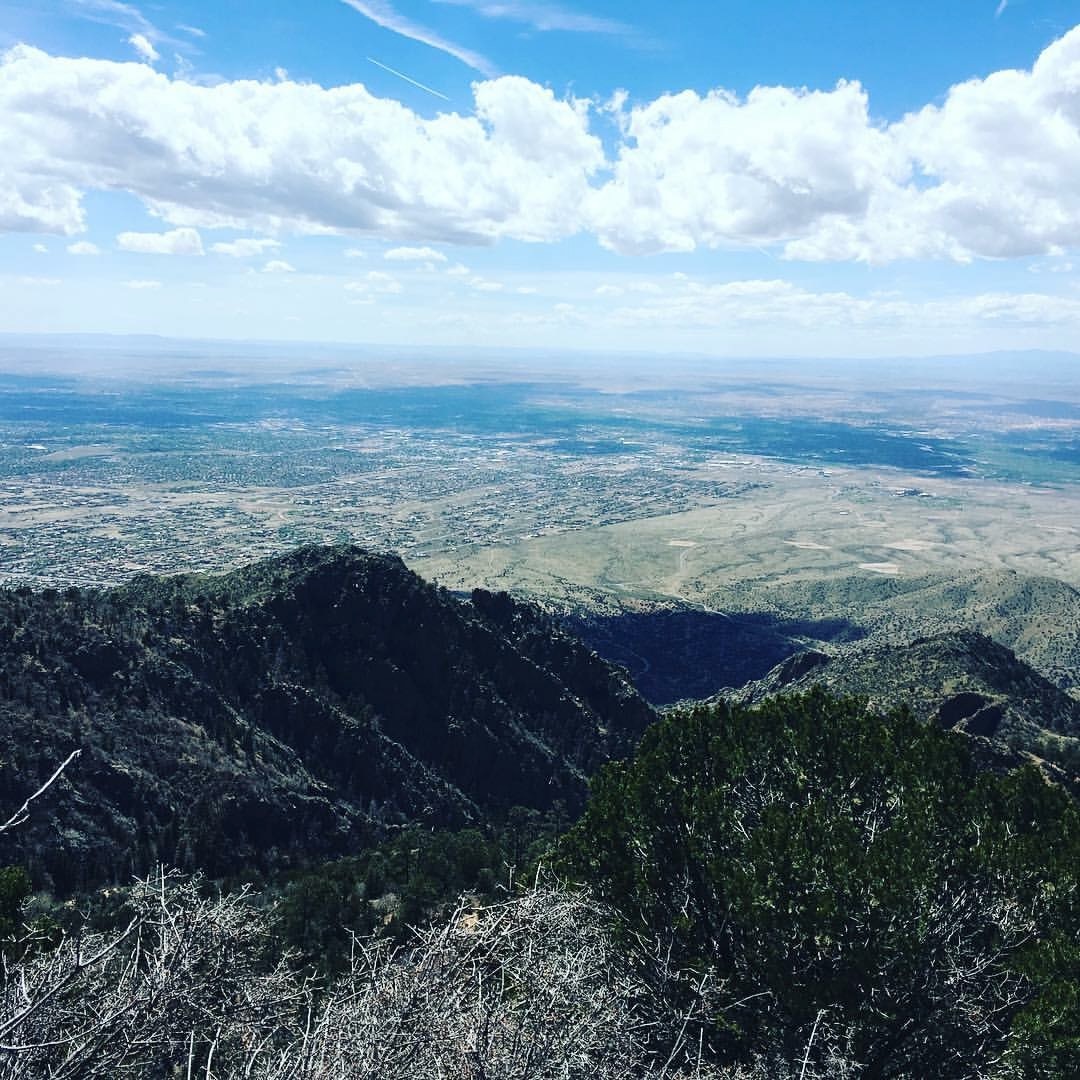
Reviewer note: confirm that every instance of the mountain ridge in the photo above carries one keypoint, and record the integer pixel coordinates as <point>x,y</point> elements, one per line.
<point>290,710</point>
<point>960,680</point>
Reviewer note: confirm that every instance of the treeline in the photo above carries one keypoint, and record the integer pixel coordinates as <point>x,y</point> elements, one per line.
<point>805,889</point>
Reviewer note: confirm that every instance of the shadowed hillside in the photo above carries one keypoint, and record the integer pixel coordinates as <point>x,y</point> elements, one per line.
<point>674,653</point>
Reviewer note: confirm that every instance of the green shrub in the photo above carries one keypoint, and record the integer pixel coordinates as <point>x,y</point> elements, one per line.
<point>809,866</point>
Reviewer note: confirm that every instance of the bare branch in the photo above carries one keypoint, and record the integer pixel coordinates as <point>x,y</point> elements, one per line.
<point>23,813</point>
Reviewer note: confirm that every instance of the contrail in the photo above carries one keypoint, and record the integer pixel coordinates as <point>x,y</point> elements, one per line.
<point>1001,9</point>
<point>401,75</point>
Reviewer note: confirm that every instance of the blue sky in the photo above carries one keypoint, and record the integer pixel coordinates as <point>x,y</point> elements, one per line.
<point>740,178</point>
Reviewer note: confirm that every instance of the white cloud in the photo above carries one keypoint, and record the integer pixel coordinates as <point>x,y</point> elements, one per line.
<point>777,302</point>
<point>414,254</point>
<point>182,241</point>
<point>375,281</point>
<point>381,282</point>
<point>719,171</point>
<point>542,16</point>
<point>83,247</point>
<point>355,253</point>
<point>144,47</point>
<point>753,301</point>
<point>42,282</point>
<point>144,35</point>
<point>41,249</point>
<point>1005,151</point>
<point>458,270</point>
<point>30,202</point>
<point>1035,309</point>
<point>287,156</point>
<point>192,31</point>
<point>279,266</point>
<point>483,285</point>
<point>245,247</point>
<point>1056,267</point>
<point>142,284</point>
<point>115,13</point>
<point>383,14</point>
<point>991,171</point>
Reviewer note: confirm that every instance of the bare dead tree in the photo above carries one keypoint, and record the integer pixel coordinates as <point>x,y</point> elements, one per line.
<point>182,981</point>
<point>530,989</point>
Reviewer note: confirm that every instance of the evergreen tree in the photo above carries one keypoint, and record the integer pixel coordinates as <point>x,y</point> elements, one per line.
<point>809,868</point>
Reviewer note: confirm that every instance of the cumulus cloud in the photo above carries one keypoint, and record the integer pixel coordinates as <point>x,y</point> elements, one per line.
<point>991,171</point>
<point>994,171</point>
<point>245,247</point>
<point>144,47</point>
<point>717,170</point>
<point>1005,151</point>
<point>288,156</point>
<point>30,202</point>
<point>414,254</point>
<point>140,284</point>
<point>279,266</point>
<point>83,247</point>
<point>182,241</point>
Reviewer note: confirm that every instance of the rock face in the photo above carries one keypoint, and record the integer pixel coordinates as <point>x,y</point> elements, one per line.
<point>288,711</point>
<point>963,681</point>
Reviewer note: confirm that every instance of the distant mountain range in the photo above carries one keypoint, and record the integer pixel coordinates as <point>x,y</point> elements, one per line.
<point>285,712</point>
